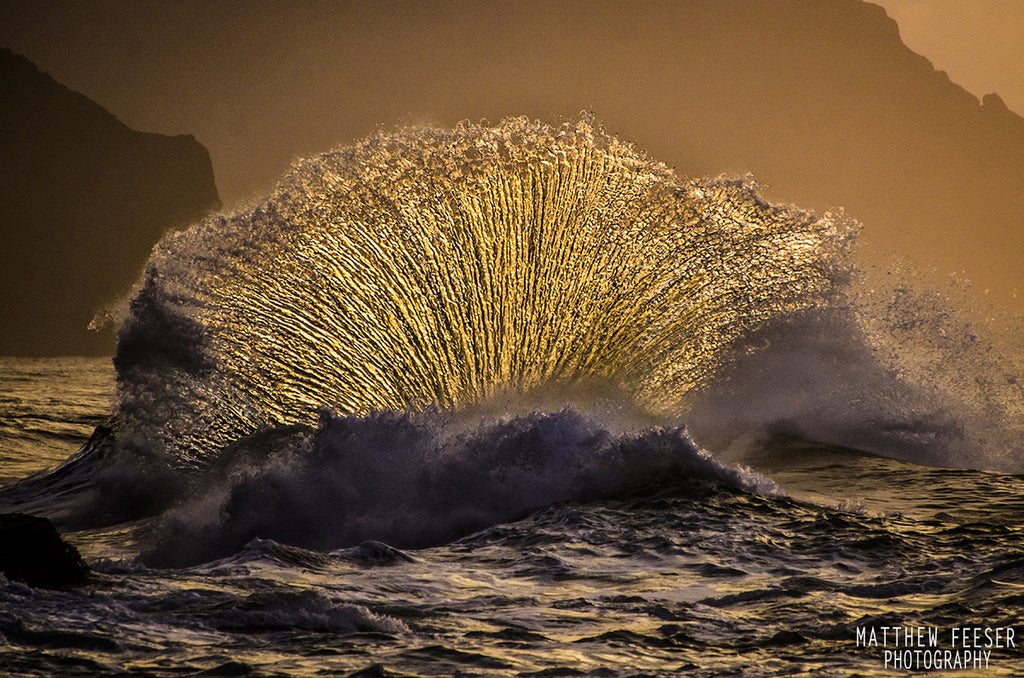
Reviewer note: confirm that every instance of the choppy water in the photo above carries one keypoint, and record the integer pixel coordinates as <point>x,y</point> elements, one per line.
<point>683,576</point>
<point>48,410</point>
<point>424,411</point>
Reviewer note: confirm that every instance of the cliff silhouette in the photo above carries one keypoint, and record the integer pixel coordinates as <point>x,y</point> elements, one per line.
<point>83,199</point>
<point>819,99</point>
<point>823,102</point>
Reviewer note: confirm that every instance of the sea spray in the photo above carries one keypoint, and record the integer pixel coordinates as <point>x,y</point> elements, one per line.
<point>516,273</point>
<point>435,268</point>
<point>503,333</point>
<point>424,480</point>
<point>901,372</point>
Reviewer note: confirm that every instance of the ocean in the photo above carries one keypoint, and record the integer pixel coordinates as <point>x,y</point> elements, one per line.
<point>519,401</point>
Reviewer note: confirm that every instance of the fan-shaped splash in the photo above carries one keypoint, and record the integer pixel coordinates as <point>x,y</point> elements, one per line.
<point>424,404</point>
<point>437,268</point>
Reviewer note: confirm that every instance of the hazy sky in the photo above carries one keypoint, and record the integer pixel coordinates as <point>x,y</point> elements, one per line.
<point>232,72</point>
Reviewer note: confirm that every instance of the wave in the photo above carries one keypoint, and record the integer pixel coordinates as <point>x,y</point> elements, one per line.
<point>416,481</point>
<point>436,330</point>
<point>898,373</point>
<point>438,268</point>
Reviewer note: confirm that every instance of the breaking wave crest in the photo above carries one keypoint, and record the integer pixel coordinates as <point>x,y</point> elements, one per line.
<point>438,268</point>
<point>422,481</point>
<point>435,331</point>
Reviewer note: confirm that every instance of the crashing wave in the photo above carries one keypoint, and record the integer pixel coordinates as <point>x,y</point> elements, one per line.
<point>437,268</point>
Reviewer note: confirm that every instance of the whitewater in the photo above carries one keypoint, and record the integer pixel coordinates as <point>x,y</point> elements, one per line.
<point>518,400</point>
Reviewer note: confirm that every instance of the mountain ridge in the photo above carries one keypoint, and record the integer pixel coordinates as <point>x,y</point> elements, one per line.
<point>83,199</point>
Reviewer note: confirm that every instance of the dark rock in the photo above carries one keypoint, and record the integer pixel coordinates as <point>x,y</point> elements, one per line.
<point>786,637</point>
<point>33,552</point>
<point>84,198</point>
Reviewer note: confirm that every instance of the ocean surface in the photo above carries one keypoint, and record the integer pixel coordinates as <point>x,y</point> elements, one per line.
<point>686,576</point>
<point>518,401</point>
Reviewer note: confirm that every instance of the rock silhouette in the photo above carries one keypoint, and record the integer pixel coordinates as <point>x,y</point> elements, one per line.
<point>33,552</point>
<point>83,199</point>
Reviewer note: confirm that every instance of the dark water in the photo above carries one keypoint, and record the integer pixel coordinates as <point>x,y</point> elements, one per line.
<point>704,576</point>
<point>519,401</point>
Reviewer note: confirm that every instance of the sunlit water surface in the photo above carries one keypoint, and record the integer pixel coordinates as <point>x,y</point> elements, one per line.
<point>693,579</point>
